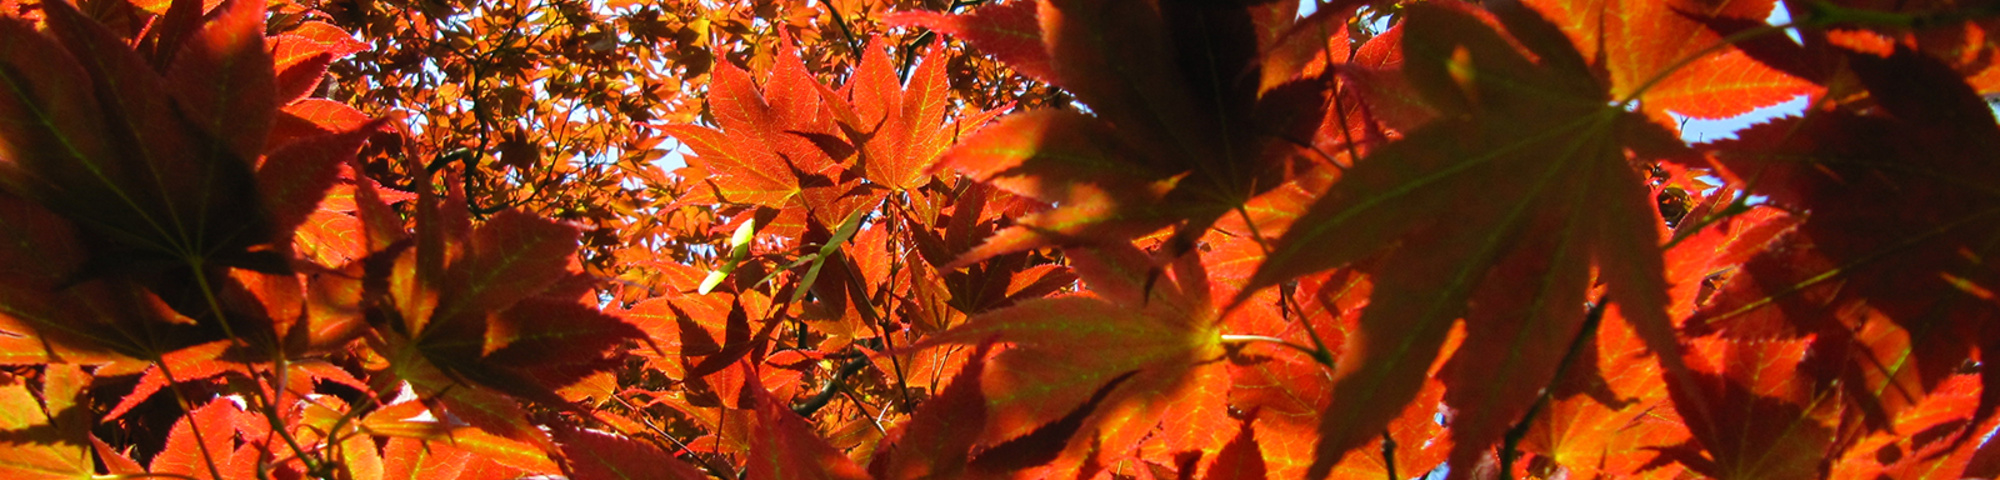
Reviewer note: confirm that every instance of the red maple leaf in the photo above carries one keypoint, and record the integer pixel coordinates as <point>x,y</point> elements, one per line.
<point>169,169</point>
<point>1886,266</point>
<point>777,146</point>
<point>1661,53</point>
<point>1495,212</point>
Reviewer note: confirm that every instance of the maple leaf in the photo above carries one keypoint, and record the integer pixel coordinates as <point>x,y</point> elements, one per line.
<point>885,114</point>
<point>46,321</point>
<point>176,191</point>
<point>1047,442</point>
<point>1241,458</point>
<point>45,439</point>
<point>938,440</point>
<point>597,455</point>
<point>776,147</point>
<point>1610,387</point>
<point>412,459</point>
<point>1572,200</point>
<point>1897,217</point>
<point>897,127</point>
<point>1757,416</point>
<point>1065,350</point>
<point>701,334</point>
<point>1603,415</point>
<point>1289,390</point>
<point>785,446</point>
<point>421,446</point>
<point>1008,31</point>
<point>330,421</point>
<point>204,444</point>
<point>1476,168</point>
<point>301,56</point>
<point>163,165</point>
<point>1922,444</point>
<point>997,283</point>
<point>353,221</point>
<point>469,419</point>
<point>1954,34</point>
<point>503,314</point>
<point>1176,133</point>
<point>68,119</point>
<point>1659,53</point>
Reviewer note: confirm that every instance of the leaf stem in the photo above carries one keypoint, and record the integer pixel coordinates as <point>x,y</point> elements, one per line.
<point>1289,296</point>
<point>187,412</point>
<point>196,263</point>
<point>1339,109</point>
<point>270,414</point>
<point>1250,224</point>
<point>1230,339</point>
<point>266,409</point>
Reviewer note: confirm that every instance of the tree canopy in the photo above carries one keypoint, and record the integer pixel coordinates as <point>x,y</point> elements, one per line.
<point>925,239</point>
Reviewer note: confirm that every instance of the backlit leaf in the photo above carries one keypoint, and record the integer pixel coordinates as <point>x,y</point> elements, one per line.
<point>600,456</point>
<point>784,445</point>
<point>1573,201</point>
<point>45,441</point>
<point>1897,218</point>
<point>1643,44</point>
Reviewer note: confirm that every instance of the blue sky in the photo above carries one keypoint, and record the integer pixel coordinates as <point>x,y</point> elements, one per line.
<point>1695,130</point>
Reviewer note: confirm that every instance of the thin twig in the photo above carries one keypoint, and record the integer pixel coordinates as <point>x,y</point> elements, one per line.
<point>1576,345</point>
<point>841,22</point>
<point>910,49</point>
<point>648,421</point>
<point>1389,455</point>
<point>826,392</point>
<point>875,322</point>
<point>863,406</point>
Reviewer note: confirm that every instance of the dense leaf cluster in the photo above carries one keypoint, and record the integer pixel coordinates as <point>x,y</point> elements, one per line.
<point>868,239</point>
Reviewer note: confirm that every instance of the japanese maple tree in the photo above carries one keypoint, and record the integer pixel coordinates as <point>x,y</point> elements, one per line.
<point>904,239</point>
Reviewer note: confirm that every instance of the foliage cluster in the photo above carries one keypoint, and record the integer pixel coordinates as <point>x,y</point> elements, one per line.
<point>365,239</point>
